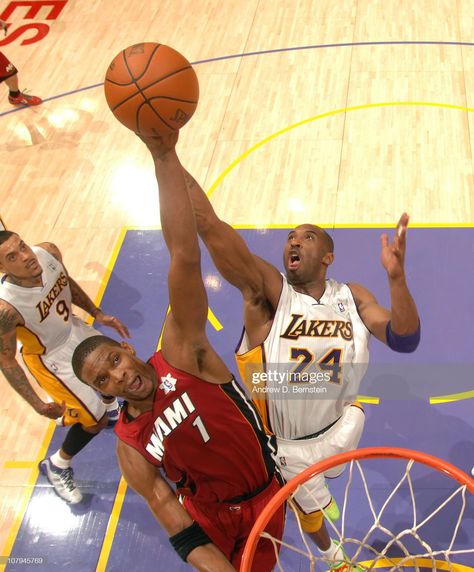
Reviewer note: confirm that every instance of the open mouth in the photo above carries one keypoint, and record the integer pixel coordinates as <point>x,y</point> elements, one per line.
<point>294,261</point>
<point>136,384</point>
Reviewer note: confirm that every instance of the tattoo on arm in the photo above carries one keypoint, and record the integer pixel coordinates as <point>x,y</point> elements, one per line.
<point>11,369</point>
<point>81,299</point>
<point>17,379</point>
<point>190,180</point>
<point>8,320</point>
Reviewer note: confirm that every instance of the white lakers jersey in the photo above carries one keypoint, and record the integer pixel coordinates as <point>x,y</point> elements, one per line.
<point>46,310</point>
<point>307,361</point>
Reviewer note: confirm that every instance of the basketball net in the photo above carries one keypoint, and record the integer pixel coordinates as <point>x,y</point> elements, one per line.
<point>395,552</point>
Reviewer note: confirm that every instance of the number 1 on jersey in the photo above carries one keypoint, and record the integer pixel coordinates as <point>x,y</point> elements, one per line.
<point>201,428</point>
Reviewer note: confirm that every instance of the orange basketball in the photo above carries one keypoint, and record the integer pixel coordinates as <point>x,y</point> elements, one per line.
<point>151,89</point>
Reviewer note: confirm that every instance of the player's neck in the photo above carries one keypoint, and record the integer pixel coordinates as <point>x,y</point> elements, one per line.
<point>315,288</point>
<point>25,282</point>
<point>136,408</point>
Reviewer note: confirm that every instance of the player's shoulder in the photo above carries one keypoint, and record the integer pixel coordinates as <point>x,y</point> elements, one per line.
<point>360,293</point>
<point>52,249</point>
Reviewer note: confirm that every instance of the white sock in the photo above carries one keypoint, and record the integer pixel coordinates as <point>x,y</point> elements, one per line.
<point>334,552</point>
<point>59,461</point>
<point>111,405</point>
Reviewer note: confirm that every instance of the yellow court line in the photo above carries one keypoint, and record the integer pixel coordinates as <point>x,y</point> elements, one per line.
<point>266,140</point>
<point>354,225</point>
<point>108,269</point>
<point>112,526</point>
<point>420,562</point>
<point>6,551</point>
<point>368,399</point>
<point>450,398</point>
<point>49,434</point>
<point>18,464</point>
<point>330,225</point>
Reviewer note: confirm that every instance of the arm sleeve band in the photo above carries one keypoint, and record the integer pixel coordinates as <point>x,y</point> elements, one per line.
<point>188,539</point>
<point>403,344</point>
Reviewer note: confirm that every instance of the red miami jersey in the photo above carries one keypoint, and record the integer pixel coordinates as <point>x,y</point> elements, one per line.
<point>207,437</point>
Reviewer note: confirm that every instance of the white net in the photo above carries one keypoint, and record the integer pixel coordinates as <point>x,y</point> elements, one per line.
<point>423,521</point>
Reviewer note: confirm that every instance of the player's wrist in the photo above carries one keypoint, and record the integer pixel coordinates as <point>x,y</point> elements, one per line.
<point>96,311</point>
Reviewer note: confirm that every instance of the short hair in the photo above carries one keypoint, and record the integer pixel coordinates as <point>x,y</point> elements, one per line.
<point>85,348</point>
<point>328,241</point>
<point>5,235</point>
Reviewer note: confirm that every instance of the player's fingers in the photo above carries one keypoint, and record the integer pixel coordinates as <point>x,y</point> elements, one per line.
<point>384,240</point>
<point>404,220</point>
<point>123,330</point>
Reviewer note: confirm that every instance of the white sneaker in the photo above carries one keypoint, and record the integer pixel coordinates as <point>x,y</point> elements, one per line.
<point>62,481</point>
<point>113,412</point>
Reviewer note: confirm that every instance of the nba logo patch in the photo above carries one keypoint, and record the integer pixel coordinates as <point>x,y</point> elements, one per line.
<point>168,383</point>
<point>340,305</point>
<point>283,461</point>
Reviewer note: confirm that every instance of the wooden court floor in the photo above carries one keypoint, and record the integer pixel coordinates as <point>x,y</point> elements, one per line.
<point>340,113</point>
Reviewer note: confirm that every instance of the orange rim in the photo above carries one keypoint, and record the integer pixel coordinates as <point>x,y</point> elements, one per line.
<point>358,454</point>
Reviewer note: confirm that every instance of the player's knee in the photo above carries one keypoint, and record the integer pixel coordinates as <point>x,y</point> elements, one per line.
<point>310,522</point>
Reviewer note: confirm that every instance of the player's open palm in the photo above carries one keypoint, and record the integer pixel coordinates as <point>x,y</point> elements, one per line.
<point>393,253</point>
<point>112,322</point>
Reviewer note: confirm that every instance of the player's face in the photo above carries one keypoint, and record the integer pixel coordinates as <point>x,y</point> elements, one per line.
<point>303,253</point>
<point>18,260</point>
<point>114,370</point>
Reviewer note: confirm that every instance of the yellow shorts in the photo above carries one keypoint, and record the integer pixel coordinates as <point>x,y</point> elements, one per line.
<point>53,372</point>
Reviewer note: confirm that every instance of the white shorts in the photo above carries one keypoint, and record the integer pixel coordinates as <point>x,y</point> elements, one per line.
<point>53,372</point>
<point>294,456</point>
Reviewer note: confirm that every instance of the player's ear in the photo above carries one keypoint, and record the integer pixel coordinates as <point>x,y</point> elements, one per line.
<point>128,348</point>
<point>328,258</point>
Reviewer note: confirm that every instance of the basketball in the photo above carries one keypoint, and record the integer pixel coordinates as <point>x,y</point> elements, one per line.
<point>151,88</point>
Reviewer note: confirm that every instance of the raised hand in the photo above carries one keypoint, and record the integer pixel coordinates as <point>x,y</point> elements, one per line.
<point>393,254</point>
<point>160,145</point>
<point>112,322</point>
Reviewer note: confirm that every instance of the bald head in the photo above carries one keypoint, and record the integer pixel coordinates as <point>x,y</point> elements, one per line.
<point>325,238</point>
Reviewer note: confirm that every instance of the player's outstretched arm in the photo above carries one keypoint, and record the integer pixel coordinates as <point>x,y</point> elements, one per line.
<point>82,300</point>
<point>14,374</point>
<point>191,543</point>
<point>184,342</point>
<point>399,328</point>
<point>232,257</point>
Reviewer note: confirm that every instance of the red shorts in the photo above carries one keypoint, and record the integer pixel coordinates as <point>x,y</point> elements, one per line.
<point>7,69</point>
<point>229,525</point>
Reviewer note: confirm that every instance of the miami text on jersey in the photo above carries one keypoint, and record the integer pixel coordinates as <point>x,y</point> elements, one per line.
<point>45,305</point>
<point>299,326</point>
<point>171,418</point>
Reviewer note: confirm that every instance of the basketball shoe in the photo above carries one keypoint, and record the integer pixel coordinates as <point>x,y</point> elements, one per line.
<point>62,481</point>
<point>343,565</point>
<point>332,510</point>
<point>24,99</point>
<point>113,412</point>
